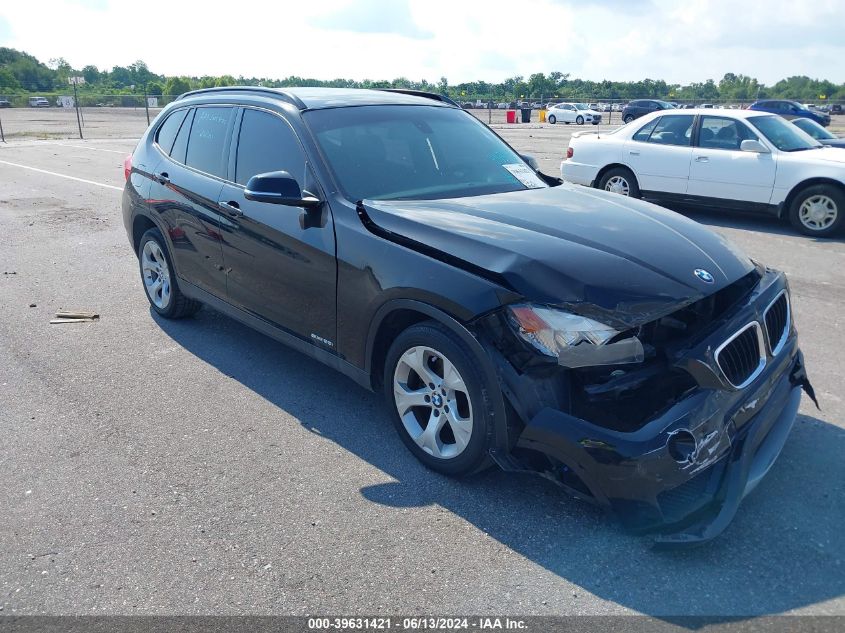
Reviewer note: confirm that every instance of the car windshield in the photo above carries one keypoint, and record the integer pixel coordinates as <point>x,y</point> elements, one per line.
<point>665,105</point>
<point>813,129</point>
<point>783,135</point>
<point>581,106</point>
<point>388,152</point>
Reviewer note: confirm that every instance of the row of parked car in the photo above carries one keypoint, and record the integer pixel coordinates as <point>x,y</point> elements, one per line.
<point>765,159</point>
<point>34,102</point>
<point>784,107</point>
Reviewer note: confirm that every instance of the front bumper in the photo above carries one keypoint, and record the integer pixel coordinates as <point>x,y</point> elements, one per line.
<point>738,435</point>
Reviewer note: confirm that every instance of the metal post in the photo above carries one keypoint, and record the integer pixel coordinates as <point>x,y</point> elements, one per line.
<point>76,103</point>
<point>2,136</point>
<point>146,104</point>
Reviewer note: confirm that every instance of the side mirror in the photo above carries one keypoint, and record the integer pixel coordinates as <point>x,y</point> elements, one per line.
<point>532,162</point>
<point>279,187</point>
<point>752,145</point>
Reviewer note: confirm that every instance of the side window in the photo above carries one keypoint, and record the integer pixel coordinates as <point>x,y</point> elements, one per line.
<point>267,143</point>
<point>180,146</point>
<point>207,143</point>
<point>644,132</point>
<point>673,130</point>
<point>723,133</point>
<point>168,130</point>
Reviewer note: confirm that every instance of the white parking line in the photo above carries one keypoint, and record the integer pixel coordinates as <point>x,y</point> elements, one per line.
<point>96,149</point>
<point>53,173</point>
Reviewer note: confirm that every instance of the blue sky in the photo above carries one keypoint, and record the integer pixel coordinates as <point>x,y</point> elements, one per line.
<point>463,40</point>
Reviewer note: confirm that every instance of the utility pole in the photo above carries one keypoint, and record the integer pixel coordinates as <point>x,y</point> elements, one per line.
<point>76,103</point>
<point>146,103</point>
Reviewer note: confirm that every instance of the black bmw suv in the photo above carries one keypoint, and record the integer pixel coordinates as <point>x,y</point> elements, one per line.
<point>620,349</point>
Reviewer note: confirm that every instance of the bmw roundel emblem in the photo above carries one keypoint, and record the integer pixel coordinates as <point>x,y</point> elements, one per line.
<point>703,275</point>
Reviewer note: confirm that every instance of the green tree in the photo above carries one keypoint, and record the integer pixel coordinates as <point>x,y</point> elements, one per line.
<point>176,86</point>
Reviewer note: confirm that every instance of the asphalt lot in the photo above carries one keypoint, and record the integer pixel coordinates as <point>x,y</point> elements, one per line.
<point>198,467</point>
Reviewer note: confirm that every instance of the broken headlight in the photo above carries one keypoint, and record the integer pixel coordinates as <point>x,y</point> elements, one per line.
<point>575,341</point>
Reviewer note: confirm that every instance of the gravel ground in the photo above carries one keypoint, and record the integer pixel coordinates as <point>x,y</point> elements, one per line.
<point>198,467</point>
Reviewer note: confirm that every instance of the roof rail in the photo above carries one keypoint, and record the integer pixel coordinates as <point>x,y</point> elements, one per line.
<point>421,93</point>
<point>276,92</point>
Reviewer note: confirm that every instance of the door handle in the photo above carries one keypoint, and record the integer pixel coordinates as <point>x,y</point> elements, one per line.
<point>702,159</point>
<point>232,208</point>
<point>634,153</point>
<point>162,178</point>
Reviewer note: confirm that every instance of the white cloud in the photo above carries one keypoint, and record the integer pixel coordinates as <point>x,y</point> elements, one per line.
<point>463,40</point>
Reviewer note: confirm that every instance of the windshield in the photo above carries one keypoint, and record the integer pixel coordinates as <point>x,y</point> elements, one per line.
<point>813,129</point>
<point>665,105</point>
<point>582,106</point>
<point>416,153</point>
<point>783,135</point>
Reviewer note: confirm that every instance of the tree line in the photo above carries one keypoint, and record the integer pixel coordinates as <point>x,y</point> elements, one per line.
<point>21,73</point>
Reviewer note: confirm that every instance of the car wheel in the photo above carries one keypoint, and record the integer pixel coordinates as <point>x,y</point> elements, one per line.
<point>579,120</point>
<point>620,180</point>
<point>552,119</point>
<point>159,279</point>
<point>439,399</point>
<point>818,210</point>
<point>628,118</point>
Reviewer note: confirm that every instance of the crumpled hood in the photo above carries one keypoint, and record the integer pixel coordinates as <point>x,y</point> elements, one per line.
<point>625,259</point>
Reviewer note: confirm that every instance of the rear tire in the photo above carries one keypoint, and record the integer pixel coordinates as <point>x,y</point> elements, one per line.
<point>159,278</point>
<point>620,180</point>
<point>818,210</point>
<point>432,378</point>
<point>552,119</point>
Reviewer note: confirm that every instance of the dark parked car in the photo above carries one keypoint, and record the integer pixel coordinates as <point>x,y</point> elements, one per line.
<point>790,110</point>
<point>5,103</point>
<point>639,107</point>
<point>819,133</point>
<point>627,353</point>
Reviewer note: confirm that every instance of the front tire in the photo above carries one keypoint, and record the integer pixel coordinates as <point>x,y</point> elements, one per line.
<point>159,278</point>
<point>818,210</point>
<point>579,120</point>
<point>620,180</point>
<point>439,399</point>
<point>552,119</point>
<point>628,118</point>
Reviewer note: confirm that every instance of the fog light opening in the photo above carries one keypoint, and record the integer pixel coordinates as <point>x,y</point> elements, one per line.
<point>682,446</point>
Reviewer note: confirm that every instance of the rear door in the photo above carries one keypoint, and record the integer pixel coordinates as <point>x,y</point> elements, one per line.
<point>186,186</point>
<point>719,169</point>
<point>280,259</point>
<point>659,153</point>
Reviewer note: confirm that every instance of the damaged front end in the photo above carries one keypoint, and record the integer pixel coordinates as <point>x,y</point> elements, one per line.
<point>666,422</point>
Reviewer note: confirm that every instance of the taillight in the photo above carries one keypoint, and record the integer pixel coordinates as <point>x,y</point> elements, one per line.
<point>127,166</point>
<point>570,152</point>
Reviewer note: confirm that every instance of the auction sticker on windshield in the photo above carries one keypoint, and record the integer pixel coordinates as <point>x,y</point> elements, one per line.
<point>525,175</point>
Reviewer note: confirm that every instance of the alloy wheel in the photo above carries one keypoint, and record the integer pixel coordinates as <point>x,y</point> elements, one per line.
<point>818,212</point>
<point>618,184</point>
<point>156,274</point>
<point>433,402</point>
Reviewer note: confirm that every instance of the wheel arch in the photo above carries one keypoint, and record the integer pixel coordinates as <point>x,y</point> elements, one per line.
<point>610,166</point>
<point>397,315</point>
<point>786,205</point>
<point>140,225</point>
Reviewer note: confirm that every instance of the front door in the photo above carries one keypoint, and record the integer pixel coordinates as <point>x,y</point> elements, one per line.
<point>719,169</point>
<point>280,259</point>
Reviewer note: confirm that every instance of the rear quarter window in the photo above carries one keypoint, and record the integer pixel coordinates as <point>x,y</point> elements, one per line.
<point>167,131</point>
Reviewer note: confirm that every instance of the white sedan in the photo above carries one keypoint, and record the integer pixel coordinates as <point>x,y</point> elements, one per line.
<point>732,159</point>
<point>579,113</point>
